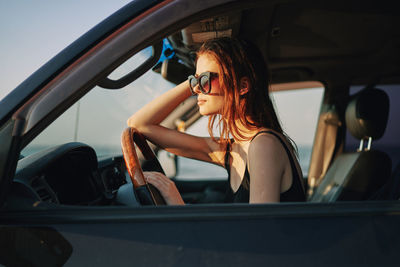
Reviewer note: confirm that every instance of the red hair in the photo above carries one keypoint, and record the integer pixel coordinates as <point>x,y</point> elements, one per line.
<point>238,59</point>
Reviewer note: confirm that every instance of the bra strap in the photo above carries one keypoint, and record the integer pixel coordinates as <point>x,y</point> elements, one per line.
<point>226,163</point>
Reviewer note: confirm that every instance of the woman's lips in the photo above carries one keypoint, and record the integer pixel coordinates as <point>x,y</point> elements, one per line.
<point>200,101</point>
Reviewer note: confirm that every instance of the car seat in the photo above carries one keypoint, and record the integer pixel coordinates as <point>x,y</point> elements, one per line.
<point>391,190</point>
<point>359,175</point>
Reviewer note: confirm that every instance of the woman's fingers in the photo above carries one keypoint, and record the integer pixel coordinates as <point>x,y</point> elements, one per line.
<point>158,180</point>
<point>166,187</point>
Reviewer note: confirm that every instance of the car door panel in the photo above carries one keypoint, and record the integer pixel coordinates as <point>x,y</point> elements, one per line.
<point>223,235</point>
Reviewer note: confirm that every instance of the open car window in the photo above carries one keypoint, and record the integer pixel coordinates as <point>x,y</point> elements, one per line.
<point>99,118</point>
<point>298,111</point>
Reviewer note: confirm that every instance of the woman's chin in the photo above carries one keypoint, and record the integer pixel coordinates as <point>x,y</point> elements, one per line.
<point>203,113</point>
<point>207,112</point>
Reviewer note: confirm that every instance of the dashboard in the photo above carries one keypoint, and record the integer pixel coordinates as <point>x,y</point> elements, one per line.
<point>69,174</point>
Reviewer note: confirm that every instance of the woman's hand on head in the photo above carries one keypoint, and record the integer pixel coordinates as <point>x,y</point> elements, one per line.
<point>166,187</point>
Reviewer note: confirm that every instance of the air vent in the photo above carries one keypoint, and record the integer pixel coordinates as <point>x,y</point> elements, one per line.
<point>45,193</point>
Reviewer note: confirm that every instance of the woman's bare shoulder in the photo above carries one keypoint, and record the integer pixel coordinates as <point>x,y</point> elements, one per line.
<point>265,138</point>
<point>266,145</point>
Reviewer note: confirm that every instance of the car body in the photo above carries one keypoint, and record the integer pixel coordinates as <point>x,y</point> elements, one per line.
<point>67,206</point>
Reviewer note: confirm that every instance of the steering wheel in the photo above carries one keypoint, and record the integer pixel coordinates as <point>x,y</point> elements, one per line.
<point>146,193</point>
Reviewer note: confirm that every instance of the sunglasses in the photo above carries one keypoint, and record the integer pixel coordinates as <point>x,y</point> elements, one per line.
<point>203,80</point>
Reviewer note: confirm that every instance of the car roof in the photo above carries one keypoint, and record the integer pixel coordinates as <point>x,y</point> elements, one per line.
<point>346,41</point>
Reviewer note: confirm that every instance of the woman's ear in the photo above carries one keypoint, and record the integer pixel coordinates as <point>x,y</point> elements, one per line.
<point>244,85</point>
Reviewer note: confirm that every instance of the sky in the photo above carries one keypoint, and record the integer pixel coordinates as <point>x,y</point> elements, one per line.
<point>32,32</point>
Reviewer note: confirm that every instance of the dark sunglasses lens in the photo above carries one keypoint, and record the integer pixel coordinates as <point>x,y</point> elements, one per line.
<point>205,83</point>
<point>193,82</point>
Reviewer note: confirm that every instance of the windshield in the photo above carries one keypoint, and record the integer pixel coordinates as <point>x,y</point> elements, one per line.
<point>99,118</point>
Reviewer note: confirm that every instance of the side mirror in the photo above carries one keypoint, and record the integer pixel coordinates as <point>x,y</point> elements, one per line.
<point>169,162</point>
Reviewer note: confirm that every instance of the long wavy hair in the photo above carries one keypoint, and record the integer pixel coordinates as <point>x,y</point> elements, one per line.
<point>237,59</point>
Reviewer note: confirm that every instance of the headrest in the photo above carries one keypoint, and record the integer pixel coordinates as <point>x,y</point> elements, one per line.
<point>367,114</point>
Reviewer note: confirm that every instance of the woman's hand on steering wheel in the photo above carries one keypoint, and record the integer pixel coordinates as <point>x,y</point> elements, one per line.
<point>166,187</point>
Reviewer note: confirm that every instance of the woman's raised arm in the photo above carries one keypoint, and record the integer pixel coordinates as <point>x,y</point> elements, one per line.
<point>157,110</point>
<point>147,121</point>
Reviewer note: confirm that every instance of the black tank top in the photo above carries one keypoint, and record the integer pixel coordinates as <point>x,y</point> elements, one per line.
<point>294,194</point>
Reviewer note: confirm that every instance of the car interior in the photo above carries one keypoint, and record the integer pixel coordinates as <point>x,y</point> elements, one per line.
<point>359,175</point>
<point>355,153</point>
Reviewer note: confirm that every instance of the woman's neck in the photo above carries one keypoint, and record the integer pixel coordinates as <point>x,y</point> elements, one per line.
<point>245,131</point>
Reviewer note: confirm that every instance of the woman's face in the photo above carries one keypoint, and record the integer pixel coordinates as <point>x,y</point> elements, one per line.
<point>213,102</point>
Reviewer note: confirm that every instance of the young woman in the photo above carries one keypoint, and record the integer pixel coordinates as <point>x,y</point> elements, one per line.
<point>232,89</point>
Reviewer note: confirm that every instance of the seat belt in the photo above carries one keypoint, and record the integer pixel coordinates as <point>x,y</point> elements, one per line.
<point>323,149</point>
